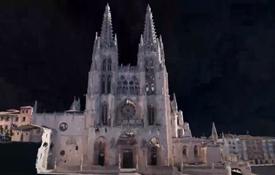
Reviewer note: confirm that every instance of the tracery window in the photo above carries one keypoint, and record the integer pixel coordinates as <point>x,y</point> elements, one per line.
<point>124,87</point>
<point>104,114</point>
<point>151,114</point>
<point>106,76</point>
<point>131,87</point>
<point>150,77</point>
<point>106,83</point>
<point>128,86</point>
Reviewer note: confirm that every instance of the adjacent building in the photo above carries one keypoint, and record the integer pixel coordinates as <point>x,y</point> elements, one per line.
<point>16,125</point>
<point>255,149</point>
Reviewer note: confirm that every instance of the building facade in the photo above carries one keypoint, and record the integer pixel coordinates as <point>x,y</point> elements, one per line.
<point>254,149</point>
<point>130,123</point>
<point>16,125</point>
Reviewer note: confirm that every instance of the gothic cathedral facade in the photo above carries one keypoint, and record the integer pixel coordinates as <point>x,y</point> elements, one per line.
<point>129,121</point>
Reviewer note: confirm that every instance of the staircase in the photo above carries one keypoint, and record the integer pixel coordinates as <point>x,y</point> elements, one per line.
<point>128,171</point>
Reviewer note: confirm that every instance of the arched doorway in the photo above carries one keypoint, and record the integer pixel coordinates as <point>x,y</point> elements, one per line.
<point>100,151</point>
<point>153,151</point>
<point>153,157</point>
<point>127,150</point>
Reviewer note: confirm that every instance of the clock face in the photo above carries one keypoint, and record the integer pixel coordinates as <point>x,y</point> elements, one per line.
<point>63,126</point>
<point>128,109</point>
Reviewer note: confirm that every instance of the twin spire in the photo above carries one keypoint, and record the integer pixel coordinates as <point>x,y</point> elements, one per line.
<point>106,35</point>
<point>149,33</point>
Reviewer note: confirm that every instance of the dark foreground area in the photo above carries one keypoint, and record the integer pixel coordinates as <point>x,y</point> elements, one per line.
<point>18,158</point>
<point>266,170</point>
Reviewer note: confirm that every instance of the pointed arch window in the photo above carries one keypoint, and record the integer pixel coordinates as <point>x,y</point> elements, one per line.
<point>109,84</point>
<point>103,84</point>
<point>109,67</point>
<point>151,115</point>
<point>104,114</point>
<point>104,64</point>
<point>125,87</point>
<point>184,151</point>
<point>131,86</point>
<point>196,151</point>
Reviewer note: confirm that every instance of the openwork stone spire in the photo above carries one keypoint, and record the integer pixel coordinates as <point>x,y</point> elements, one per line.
<point>149,33</point>
<point>174,103</point>
<point>214,133</point>
<point>106,34</point>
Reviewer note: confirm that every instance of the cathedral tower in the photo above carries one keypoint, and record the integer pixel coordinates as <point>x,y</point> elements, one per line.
<point>102,75</point>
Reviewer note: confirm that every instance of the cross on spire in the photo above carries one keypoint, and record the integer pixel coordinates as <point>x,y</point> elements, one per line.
<point>106,34</point>
<point>149,33</point>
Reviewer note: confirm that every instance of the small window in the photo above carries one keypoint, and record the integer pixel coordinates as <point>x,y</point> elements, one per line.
<point>24,119</point>
<point>184,151</point>
<point>76,148</point>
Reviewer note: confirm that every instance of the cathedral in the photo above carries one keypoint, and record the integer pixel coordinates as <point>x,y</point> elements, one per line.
<point>130,124</point>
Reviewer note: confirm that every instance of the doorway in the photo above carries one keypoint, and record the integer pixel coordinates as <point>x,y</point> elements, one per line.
<point>127,161</point>
<point>154,155</point>
<point>101,158</point>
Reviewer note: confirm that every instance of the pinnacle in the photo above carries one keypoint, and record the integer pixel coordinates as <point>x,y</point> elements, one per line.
<point>214,133</point>
<point>148,8</point>
<point>149,28</point>
<point>106,29</point>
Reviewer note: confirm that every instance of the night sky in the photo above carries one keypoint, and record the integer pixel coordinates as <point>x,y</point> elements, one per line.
<point>220,55</point>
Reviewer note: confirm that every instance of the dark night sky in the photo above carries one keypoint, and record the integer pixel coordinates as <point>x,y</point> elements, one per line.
<point>219,54</point>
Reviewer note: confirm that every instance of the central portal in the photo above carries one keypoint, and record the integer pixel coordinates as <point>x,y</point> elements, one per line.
<point>127,161</point>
